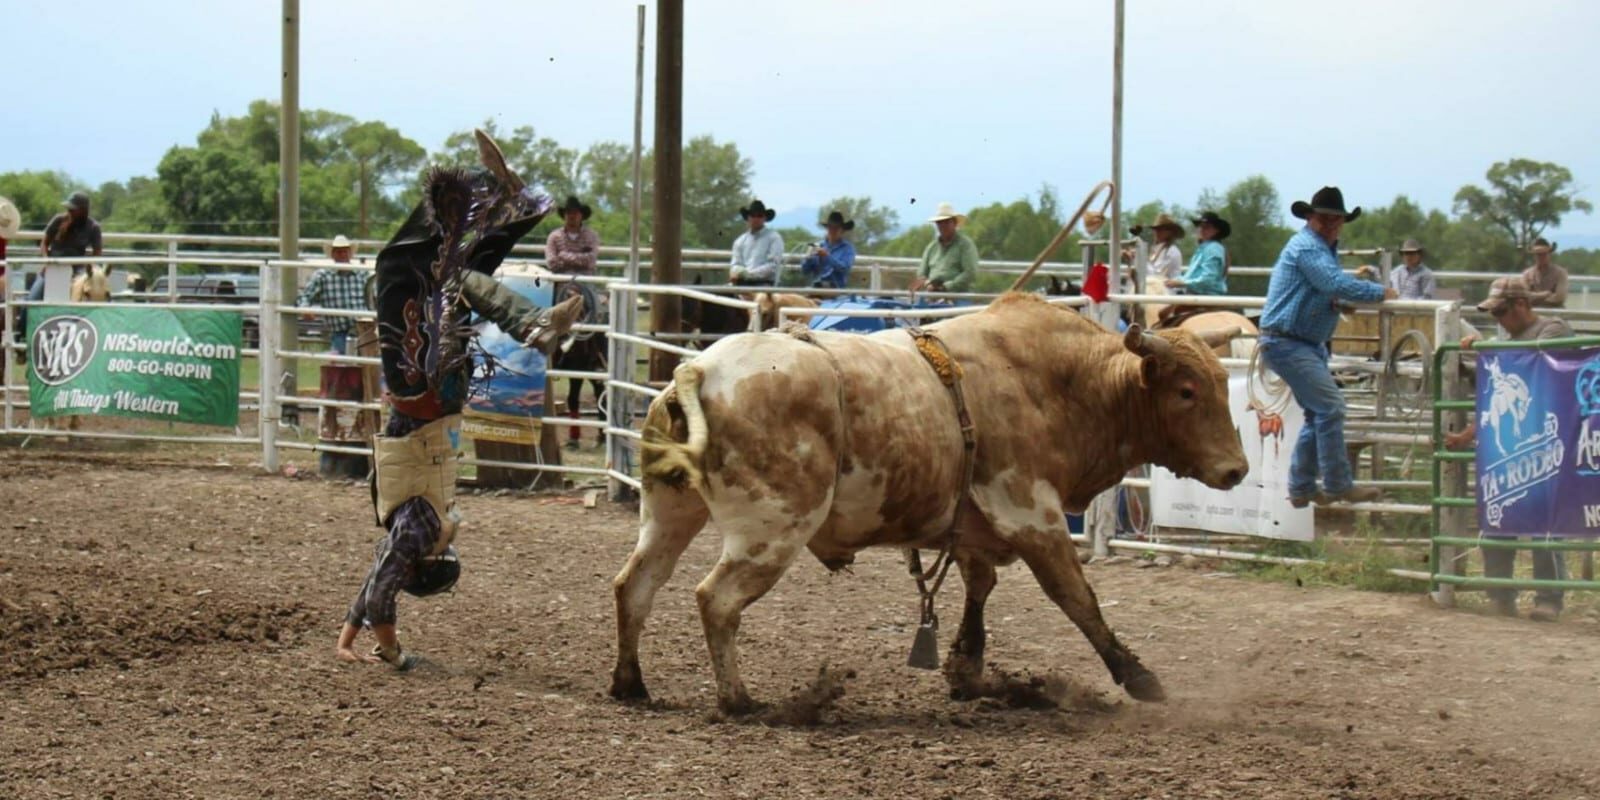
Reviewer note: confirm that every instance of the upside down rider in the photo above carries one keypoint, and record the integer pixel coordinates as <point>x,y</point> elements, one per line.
<point>431,277</point>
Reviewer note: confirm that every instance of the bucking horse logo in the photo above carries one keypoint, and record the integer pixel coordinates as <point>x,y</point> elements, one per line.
<point>1510,396</point>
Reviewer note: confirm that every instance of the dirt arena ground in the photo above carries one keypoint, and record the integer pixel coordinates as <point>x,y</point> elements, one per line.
<point>168,631</point>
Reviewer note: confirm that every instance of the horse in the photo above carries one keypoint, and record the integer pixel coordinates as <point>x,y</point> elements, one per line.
<point>583,352</point>
<point>93,286</point>
<point>1202,322</point>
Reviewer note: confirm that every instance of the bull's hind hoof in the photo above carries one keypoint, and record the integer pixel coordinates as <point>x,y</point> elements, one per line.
<point>629,689</point>
<point>1145,687</point>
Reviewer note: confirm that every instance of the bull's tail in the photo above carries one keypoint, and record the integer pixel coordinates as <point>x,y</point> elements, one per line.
<point>675,433</point>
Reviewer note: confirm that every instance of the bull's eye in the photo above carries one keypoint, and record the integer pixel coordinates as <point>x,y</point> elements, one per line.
<point>1186,393</point>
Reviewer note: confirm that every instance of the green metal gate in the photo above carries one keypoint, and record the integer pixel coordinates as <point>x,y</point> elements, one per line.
<point>1459,497</point>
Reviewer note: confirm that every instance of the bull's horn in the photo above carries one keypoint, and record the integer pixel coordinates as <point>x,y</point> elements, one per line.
<point>1221,337</point>
<point>1145,344</point>
<point>495,161</point>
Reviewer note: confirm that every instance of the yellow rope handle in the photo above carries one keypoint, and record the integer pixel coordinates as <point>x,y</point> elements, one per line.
<point>1067,229</point>
<point>947,369</point>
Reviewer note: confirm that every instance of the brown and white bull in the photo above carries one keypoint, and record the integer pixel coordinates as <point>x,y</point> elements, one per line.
<point>834,443</point>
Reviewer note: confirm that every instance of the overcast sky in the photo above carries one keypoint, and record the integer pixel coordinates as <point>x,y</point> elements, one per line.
<point>932,100</point>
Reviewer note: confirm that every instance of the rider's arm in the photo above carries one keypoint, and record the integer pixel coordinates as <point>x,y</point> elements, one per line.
<point>512,312</point>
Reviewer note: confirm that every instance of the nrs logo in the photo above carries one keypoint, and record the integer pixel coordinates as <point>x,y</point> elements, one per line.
<point>62,348</point>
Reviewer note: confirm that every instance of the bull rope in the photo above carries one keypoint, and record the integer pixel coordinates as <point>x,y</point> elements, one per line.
<point>1091,224</point>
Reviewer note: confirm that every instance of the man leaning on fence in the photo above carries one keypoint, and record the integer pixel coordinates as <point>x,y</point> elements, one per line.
<point>758,252</point>
<point>1510,302</point>
<point>1413,280</point>
<point>1300,316</point>
<point>1547,281</point>
<point>950,261</point>
<point>344,289</point>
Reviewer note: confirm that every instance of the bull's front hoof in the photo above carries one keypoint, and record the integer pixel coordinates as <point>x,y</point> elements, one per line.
<point>628,687</point>
<point>1145,687</point>
<point>738,706</point>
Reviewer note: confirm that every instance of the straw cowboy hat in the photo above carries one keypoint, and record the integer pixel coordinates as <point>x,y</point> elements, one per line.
<point>340,241</point>
<point>757,208</point>
<point>1166,221</point>
<point>837,218</point>
<point>10,219</point>
<point>1412,246</point>
<point>947,211</point>
<point>572,204</point>
<point>1327,200</point>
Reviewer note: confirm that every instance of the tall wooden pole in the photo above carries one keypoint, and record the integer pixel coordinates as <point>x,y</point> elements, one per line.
<point>1114,236</point>
<point>666,247</point>
<point>289,191</point>
<point>636,212</point>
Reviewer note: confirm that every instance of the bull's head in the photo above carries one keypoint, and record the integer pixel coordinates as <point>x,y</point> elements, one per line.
<point>1186,389</point>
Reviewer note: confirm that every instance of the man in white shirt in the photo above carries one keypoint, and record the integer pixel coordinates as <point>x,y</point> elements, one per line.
<point>758,252</point>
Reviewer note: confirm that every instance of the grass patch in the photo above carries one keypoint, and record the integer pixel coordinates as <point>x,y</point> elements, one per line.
<point>1359,563</point>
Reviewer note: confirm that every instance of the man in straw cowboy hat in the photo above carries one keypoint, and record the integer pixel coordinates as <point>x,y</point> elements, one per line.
<point>1301,313</point>
<point>830,261</point>
<point>573,248</point>
<point>1413,281</point>
<point>344,289</point>
<point>950,262</point>
<point>758,252</point>
<point>1547,281</point>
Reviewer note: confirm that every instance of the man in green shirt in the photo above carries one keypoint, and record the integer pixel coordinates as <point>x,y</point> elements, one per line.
<point>950,263</point>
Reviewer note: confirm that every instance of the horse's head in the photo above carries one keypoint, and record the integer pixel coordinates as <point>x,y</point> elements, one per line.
<point>93,287</point>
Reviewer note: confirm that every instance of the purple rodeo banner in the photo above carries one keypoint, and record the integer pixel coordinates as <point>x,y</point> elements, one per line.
<point>1539,443</point>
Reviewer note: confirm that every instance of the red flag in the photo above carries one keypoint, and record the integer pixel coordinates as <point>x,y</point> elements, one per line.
<point>1097,284</point>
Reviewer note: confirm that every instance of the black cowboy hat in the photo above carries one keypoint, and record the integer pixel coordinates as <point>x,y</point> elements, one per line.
<point>1327,200</point>
<point>837,218</point>
<point>757,207</point>
<point>1224,230</point>
<point>572,204</point>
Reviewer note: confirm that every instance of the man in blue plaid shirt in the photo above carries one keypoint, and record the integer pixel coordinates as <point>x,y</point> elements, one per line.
<point>343,289</point>
<point>1301,313</point>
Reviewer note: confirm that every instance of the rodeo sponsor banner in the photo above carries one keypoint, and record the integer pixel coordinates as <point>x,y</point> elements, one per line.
<point>1259,506</point>
<point>172,365</point>
<point>507,399</point>
<point>1538,447</point>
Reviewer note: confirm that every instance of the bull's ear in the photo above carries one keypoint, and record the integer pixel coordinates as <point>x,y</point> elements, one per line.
<point>1149,371</point>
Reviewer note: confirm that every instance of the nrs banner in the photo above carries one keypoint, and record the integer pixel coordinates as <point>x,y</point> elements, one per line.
<point>1259,506</point>
<point>1538,453</point>
<point>172,365</point>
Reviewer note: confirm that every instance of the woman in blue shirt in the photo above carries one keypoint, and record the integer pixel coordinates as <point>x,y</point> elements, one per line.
<point>829,264</point>
<point>1208,267</point>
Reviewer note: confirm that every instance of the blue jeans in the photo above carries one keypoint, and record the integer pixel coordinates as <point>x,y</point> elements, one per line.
<point>1320,448</point>
<point>337,341</point>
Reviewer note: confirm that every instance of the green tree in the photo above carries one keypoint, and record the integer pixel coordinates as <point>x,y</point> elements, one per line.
<point>37,194</point>
<point>716,184</point>
<point>875,224</point>
<point>541,161</point>
<point>384,158</point>
<point>218,189</point>
<point>1523,198</point>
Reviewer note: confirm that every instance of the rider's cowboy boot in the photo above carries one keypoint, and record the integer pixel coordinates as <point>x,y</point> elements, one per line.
<point>554,323</point>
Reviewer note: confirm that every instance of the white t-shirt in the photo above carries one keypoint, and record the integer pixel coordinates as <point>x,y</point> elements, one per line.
<point>1166,262</point>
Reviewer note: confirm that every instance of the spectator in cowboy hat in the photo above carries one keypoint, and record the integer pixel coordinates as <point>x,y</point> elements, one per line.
<point>1547,281</point>
<point>1296,325</point>
<point>1166,261</point>
<point>1208,267</point>
<point>758,252</point>
<point>1510,301</point>
<point>69,234</point>
<point>344,289</point>
<point>830,261</point>
<point>1413,280</point>
<point>950,261</point>
<point>573,249</point>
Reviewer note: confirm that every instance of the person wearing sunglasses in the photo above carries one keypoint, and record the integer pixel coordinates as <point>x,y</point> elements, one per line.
<point>1510,301</point>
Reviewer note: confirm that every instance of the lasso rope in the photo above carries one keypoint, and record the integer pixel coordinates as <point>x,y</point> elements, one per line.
<point>1272,388</point>
<point>1092,223</point>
